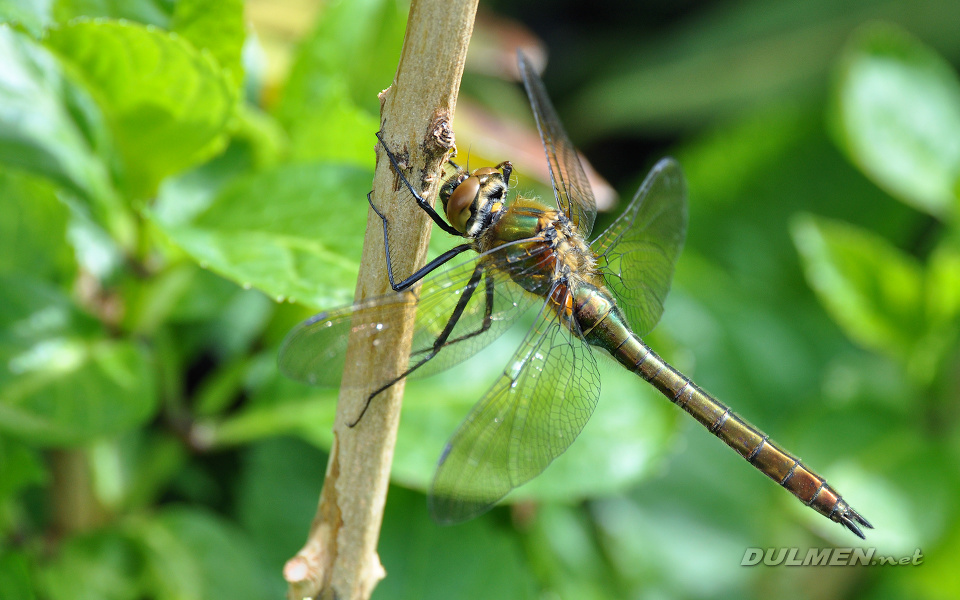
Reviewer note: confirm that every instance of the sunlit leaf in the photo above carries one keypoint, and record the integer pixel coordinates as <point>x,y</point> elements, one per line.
<point>643,540</point>
<point>32,15</point>
<point>291,232</point>
<point>332,112</point>
<point>942,311</point>
<point>167,103</point>
<point>335,129</point>
<point>943,286</point>
<point>870,288</point>
<point>148,12</point>
<point>937,579</point>
<point>49,124</point>
<point>899,117</point>
<point>216,26</point>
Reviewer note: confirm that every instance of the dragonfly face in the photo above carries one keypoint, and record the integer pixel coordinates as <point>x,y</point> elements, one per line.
<point>472,201</point>
<point>534,253</point>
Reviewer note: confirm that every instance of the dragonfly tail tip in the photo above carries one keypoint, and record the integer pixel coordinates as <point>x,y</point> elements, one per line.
<point>851,519</point>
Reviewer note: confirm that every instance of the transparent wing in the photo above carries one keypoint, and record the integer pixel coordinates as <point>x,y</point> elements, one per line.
<point>478,290</point>
<point>637,254</point>
<point>531,415</point>
<point>570,184</point>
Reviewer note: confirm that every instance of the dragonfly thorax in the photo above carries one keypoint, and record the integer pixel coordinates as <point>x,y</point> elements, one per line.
<point>472,200</point>
<point>573,253</point>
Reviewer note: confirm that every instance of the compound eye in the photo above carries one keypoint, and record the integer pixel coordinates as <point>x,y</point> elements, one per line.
<point>461,201</point>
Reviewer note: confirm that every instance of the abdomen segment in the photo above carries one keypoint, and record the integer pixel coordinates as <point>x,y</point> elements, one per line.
<point>751,443</point>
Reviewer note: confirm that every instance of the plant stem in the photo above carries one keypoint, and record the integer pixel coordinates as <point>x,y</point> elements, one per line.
<point>74,504</point>
<point>339,559</point>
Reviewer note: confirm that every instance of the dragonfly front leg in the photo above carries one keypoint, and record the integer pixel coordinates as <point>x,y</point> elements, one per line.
<point>421,201</point>
<point>422,271</point>
<point>444,337</point>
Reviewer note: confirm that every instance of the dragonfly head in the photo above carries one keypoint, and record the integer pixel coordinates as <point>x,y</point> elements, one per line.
<point>471,200</point>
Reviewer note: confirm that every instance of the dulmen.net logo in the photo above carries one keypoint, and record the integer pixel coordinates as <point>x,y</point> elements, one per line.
<point>832,557</point>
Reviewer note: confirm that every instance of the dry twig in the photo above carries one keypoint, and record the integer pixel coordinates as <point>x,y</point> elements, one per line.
<point>339,559</point>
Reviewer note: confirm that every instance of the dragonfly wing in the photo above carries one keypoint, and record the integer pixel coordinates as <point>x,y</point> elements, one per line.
<point>570,183</point>
<point>531,415</point>
<point>495,303</point>
<point>479,290</point>
<point>315,350</point>
<point>637,254</point>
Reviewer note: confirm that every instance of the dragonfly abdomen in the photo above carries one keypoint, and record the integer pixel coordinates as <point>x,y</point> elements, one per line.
<point>751,443</point>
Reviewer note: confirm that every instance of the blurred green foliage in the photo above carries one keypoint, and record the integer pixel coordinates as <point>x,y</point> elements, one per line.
<point>165,220</point>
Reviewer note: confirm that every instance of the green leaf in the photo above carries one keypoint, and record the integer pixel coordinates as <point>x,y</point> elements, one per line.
<point>20,466</point>
<point>96,252</point>
<point>941,312</point>
<point>870,288</point>
<point>49,125</point>
<point>335,129</point>
<point>61,382</point>
<point>678,77</point>
<point>33,229</point>
<point>898,106</point>
<point>275,521</point>
<point>364,32</point>
<point>943,286</point>
<point>563,549</point>
<point>332,112</point>
<point>478,559</point>
<point>151,460</point>
<point>148,12</point>
<point>101,565</point>
<point>33,15</point>
<point>178,554</point>
<point>216,26</point>
<point>260,134</point>
<point>168,104</point>
<point>192,554</point>
<point>15,578</point>
<point>293,232</point>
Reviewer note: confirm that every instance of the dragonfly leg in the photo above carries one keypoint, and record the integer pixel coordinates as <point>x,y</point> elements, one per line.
<point>444,336</point>
<point>422,271</point>
<point>506,168</point>
<point>484,326</point>
<point>421,201</point>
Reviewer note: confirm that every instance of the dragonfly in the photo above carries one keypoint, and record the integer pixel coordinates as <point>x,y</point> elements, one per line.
<point>531,254</point>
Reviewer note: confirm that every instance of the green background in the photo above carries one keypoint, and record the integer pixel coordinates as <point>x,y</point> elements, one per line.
<point>183,181</point>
